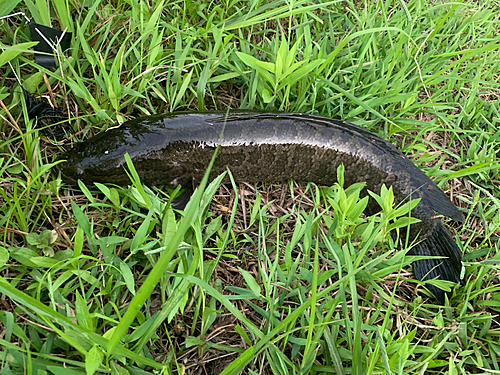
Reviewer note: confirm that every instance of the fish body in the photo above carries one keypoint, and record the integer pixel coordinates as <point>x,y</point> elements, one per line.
<point>177,148</point>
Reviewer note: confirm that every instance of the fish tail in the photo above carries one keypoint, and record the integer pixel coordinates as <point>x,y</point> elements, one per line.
<point>449,267</point>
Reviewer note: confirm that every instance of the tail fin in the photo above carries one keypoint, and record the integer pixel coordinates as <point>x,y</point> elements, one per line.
<point>439,243</point>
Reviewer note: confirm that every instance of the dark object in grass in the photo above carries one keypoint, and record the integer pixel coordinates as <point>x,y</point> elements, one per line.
<point>47,39</point>
<point>175,149</point>
<point>45,115</point>
<point>38,109</point>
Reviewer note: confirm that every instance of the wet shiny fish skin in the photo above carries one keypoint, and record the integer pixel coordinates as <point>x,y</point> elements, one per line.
<point>176,148</point>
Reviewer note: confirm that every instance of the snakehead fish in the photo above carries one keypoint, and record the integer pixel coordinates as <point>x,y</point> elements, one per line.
<point>177,148</point>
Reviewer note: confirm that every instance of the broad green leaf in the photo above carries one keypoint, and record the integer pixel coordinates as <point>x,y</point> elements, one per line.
<point>224,77</point>
<point>82,313</point>
<point>7,6</point>
<point>4,256</point>
<point>252,284</point>
<point>128,276</point>
<point>31,83</point>
<point>299,74</point>
<point>16,168</point>
<point>180,94</point>
<point>142,233</point>
<point>93,360</point>
<point>267,96</point>
<point>10,53</point>
<point>263,68</point>
<point>43,9</point>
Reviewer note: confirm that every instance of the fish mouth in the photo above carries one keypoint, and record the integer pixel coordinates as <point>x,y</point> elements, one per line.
<point>68,174</point>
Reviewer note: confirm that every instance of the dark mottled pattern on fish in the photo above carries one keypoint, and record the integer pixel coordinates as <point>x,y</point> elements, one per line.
<point>173,149</point>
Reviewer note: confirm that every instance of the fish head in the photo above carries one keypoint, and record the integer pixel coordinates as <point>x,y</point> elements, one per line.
<point>102,159</point>
<point>93,162</point>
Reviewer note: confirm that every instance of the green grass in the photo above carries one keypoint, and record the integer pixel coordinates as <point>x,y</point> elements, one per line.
<point>283,279</point>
